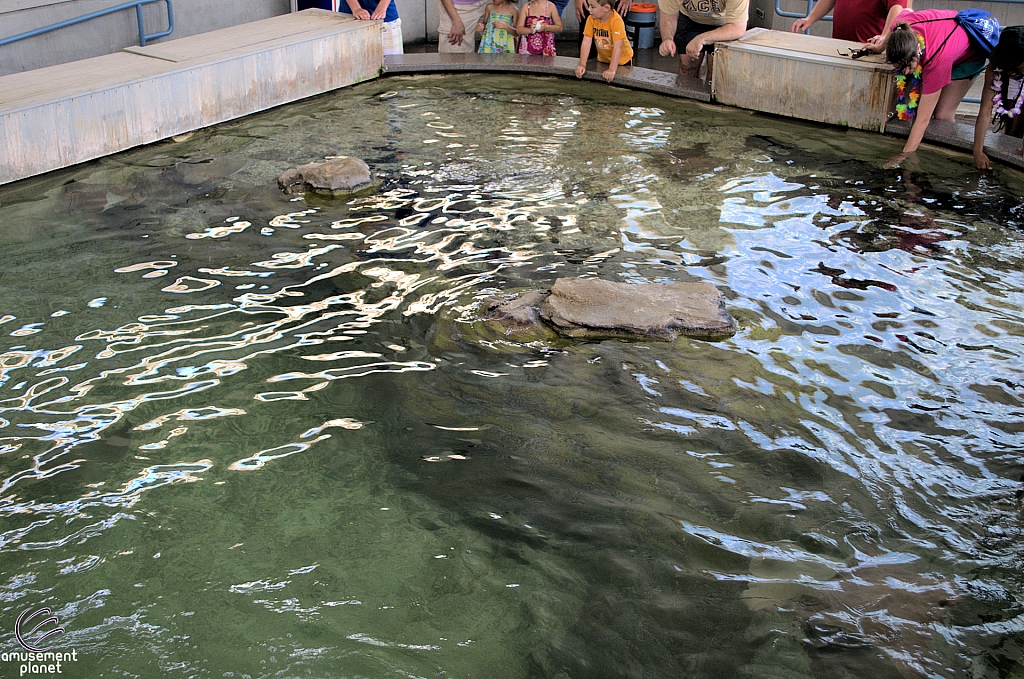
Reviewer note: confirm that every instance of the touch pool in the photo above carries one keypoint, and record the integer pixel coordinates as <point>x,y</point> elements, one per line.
<point>246,434</point>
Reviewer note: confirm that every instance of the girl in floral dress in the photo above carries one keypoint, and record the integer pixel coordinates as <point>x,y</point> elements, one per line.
<point>498,28</point>
<point>538,23</point>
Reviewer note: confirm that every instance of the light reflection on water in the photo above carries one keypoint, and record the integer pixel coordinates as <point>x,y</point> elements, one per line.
<point>248,434</point>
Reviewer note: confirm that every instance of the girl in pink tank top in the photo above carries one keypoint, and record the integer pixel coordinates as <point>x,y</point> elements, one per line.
<point>538,23</point>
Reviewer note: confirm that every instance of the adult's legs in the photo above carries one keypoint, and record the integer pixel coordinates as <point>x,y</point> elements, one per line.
<point>687,66</point>
<point>470,15</point>
<point>687,30</point>
<point>950,97</point>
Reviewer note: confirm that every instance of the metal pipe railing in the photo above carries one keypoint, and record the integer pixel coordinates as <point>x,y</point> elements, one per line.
<point>137,4</point>
<point>797,15</point>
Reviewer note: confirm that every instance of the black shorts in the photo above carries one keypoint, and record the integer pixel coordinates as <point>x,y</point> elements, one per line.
<point>687,29</point>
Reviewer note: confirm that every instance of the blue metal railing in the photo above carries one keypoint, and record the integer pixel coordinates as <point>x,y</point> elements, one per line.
<point>137,4</point>
<point>797,15</point>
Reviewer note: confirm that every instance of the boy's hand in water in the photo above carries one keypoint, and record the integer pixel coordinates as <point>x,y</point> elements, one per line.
<point>609,75</point>
<point>580,70</point>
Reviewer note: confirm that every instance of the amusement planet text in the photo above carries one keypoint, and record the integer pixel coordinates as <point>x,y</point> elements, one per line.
<point>47,662</point>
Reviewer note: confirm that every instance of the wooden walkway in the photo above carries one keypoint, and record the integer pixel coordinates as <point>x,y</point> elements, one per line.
<point>62,115</point>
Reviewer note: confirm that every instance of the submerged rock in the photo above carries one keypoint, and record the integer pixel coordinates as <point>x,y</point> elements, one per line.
<point>335,177</point>
<point>519,311</point>
<point>580,307</point>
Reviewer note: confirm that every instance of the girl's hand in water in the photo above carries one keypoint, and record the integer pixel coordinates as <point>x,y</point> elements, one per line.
<point>981,161</point>
<point>895,161</point>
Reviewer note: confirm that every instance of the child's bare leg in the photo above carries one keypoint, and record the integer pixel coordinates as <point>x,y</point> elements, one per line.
<point>950,99</point>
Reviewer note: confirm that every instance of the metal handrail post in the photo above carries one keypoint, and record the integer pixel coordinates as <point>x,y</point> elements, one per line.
<point>142,26</point>
<point>137,4</point>
<point>810,5</point>
<point>170,26</point>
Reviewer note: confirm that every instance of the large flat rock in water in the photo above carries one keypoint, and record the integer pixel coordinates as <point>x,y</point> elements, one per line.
<point>581,307</point>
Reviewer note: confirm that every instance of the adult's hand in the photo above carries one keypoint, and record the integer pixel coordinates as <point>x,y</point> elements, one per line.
<point>458,30</point>
<point>623,6</point>
<point>667,48</point>
<point>694,47</point>
<point>580,11</point>
<point>800,25</point>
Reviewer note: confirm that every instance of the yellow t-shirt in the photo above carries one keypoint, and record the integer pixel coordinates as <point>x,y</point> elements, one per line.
<point>605,33</point>
<point>709,12</point>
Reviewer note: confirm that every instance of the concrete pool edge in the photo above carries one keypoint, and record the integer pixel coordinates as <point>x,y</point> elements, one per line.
<point>957,136</point>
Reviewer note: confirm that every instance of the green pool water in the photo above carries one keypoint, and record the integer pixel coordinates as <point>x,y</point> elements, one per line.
<point>247,434</point>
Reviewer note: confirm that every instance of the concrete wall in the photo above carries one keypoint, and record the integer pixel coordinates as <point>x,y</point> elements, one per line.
<point>110,33</point>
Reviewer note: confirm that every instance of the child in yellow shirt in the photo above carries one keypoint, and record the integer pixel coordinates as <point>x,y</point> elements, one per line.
<point>607,31</point>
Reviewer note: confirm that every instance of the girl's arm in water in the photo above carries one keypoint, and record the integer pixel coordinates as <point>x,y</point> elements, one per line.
<point>981,160</point>
<point>925,108</point>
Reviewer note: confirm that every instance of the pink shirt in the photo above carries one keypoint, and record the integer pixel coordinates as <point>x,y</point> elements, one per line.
<point>938,66</point>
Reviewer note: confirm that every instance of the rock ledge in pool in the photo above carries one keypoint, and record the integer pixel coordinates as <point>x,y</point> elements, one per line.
<point>590,308</point>
<point>335,177</point>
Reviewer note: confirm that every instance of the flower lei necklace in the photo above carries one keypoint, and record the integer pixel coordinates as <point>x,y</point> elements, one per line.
<point>909,93</point>
<point>997,99</point>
